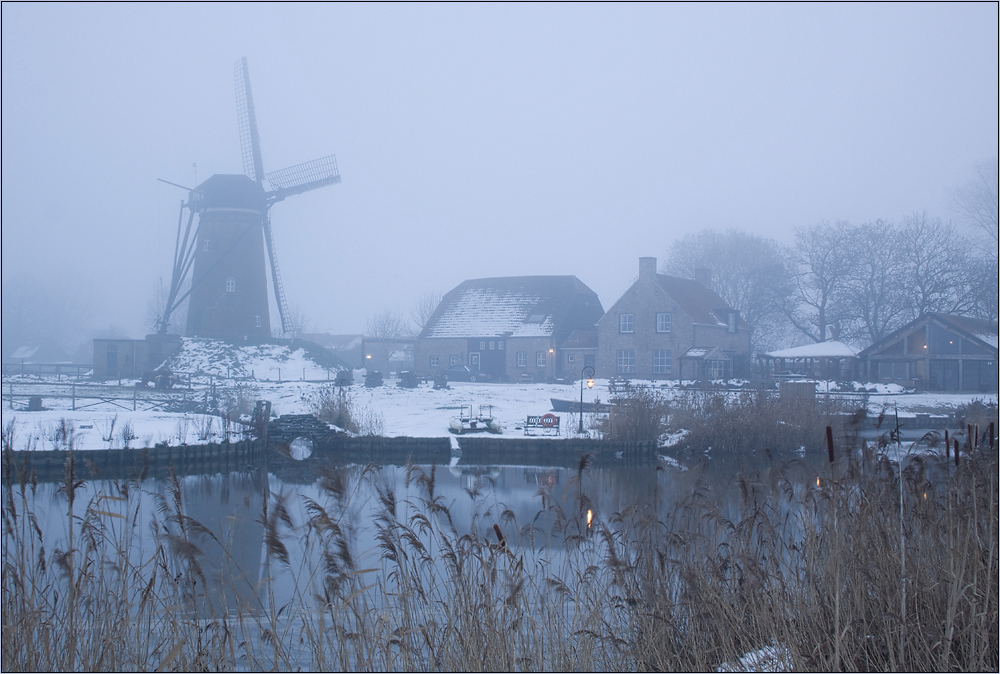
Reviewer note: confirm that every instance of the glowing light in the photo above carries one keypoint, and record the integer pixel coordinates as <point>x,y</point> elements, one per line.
<point>590,383</point>
<point>590,517</point>
<point>817,480</point>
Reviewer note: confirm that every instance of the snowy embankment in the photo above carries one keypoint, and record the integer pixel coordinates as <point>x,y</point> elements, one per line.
<point>291,376</point>
<point>419,412</point>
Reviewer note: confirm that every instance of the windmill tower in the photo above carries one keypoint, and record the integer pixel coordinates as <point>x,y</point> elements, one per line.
<point>228,253</point>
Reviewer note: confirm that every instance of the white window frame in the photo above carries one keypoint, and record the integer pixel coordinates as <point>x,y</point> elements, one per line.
<point>454,361</point>
<point>625,361</point>
<point>626,323</point>
<point>662,361</point>
<point>435,361</point>
<point>522,359</point>
<point>230,285</point>
<point>664,322</point>
<point>257,321</point>
<point>540,360</point>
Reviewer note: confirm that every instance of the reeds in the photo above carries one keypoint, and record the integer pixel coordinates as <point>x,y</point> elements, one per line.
<point>806,573</point>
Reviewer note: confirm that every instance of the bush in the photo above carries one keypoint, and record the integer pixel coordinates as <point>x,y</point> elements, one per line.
<point>637,414</point>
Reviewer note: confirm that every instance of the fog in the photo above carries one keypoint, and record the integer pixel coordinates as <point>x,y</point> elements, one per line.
<point>473,140</point>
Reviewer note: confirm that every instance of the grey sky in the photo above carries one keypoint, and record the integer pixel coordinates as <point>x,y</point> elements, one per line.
<point>477,140</point>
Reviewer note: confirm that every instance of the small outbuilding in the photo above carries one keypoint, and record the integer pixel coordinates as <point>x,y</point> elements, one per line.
<point>831,359</point>
<point>936,352</point>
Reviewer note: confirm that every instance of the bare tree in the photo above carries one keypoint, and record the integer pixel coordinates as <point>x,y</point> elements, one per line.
<point>937,258</point>
<point>822,261</point>
<point>749,272</point>
<point>874,292</point>
<point>976,204</point>
<point>424,309</point>
<point>381,332</point>
<point>298,322</point>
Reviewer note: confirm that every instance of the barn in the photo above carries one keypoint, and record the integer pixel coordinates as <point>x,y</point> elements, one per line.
<point>936,352</point>
<point>516,328</point>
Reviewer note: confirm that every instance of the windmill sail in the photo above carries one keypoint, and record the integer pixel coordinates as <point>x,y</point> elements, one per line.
<point>279,288</point>
<point>253,164</point>
<point>303,177</point>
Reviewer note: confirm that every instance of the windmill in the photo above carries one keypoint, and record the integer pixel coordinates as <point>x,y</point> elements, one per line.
<point>228,253</point>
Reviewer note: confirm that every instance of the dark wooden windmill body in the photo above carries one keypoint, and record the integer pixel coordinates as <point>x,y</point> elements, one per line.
<point>231,250</point>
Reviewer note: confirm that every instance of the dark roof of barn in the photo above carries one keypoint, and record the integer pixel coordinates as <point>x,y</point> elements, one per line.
<point>970,328</point>
<point>515,306</point>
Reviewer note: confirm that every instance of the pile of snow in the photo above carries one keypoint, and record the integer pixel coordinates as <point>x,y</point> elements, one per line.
<point>264,362</point>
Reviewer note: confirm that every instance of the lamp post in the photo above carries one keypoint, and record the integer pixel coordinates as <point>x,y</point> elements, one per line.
<point>590,384</point>
<point>368,364</point>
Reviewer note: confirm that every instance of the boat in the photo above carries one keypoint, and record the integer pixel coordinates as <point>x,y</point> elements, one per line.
<point>573,406</point>
<point>467,423</point>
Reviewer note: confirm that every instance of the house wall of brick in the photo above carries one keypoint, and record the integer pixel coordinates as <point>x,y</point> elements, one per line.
<point>644,300</point>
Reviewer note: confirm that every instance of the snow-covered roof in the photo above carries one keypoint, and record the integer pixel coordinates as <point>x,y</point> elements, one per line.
<point>828,349</point>
<point>988,337</point>
<point>705,353</point>
<point>516,306</point>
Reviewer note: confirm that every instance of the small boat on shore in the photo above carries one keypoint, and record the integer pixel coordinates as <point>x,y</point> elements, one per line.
<point>572,406</point>
<point>467,423</point>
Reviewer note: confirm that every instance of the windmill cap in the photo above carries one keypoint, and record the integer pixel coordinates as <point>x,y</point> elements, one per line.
<point>228,191</point>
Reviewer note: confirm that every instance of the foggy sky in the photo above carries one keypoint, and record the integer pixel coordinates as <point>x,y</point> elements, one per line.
<point>476,140</point>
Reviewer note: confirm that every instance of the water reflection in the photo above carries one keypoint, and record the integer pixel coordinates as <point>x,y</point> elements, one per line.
<point>240,522</point>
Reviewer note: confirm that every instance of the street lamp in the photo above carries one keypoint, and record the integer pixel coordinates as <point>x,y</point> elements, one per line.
<point>368,364</point>
<point>589,376</point>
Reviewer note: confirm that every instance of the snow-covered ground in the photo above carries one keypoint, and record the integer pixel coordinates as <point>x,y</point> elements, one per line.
<point>292,378</point>
<point>419,412</point>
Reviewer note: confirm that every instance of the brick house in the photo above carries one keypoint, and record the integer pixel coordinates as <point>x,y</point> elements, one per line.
<point>536,328</point>
<point>665,327</point>
<point>936,352</point>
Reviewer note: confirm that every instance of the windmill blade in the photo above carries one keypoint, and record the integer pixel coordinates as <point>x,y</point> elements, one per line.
<point>303,177</point>
<point>279,289</point>
<point>253,165</point>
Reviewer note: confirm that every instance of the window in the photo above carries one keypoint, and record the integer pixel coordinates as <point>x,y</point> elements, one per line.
<point>626,323</point>
<point>540,359</point>
<point>474,359</point>
<point>230,285</point>
<point>482,346</point>
<point>664,322</point>
<point>625,361</point>
<point>256,321</point>
<point>571,358</point>
<point>500,345</point>
<point>454,361</point>
<point>731,321</point>
<point>522,359</point>
<point>435,361</point>
<point>493,345</point>
<point>717,369</point>
<point>206,244</point>
<point>662,362</point>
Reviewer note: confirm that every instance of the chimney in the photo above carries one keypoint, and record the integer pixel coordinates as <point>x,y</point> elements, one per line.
<point>703,275</point>
<point>647,267</point>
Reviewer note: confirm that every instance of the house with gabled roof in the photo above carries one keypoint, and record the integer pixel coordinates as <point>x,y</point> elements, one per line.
<point>666,327</point>
<point>537,328</point>
<point>936,352</point>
